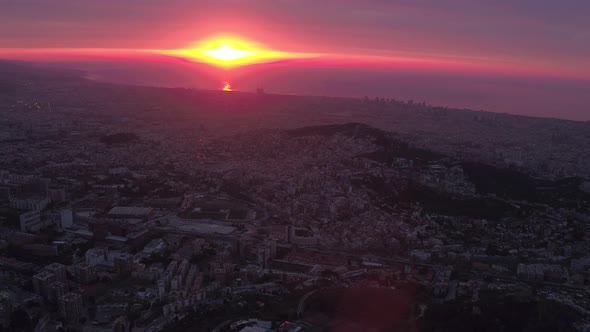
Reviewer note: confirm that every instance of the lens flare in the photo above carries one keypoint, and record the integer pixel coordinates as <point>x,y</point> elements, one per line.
<point>226,86</point>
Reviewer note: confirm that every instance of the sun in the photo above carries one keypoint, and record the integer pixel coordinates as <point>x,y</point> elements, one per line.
<point>229,52</point>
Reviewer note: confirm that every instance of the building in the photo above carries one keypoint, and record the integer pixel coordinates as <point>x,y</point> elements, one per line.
<point>131,213</point>
<point>263,255</point>
<point>302,236</point>
<point>118,171</point>
<point>272,244</point>
<point>251,273</point>
<point>102,257</point>
<point>204,230</point>
<point>137,237</point>
<point>190,277</point>
<point>29,203</point>
<point>171,269</point>
<point>152,273</point>
<point>539,272</point>
<point>155,246</point>
<point>66,218</point>
<point>182,270</point>
<point>57,290</point>
<point>124,263</point>
<point>57,195</point>
<point>175,283</point>
<point>42,281</point>
<point>71,307</point>
<point>85,273</point>
<point>59,270</point>
<point>162,289</point>
<point>30,222</point>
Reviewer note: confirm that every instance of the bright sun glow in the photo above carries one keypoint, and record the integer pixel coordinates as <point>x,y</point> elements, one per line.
<point>229,52</point>
<point>226,86</point>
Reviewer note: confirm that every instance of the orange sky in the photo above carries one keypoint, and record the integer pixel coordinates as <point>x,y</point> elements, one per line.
<point>525,56</point>
<point>251,53</point>
<point>508,37</point>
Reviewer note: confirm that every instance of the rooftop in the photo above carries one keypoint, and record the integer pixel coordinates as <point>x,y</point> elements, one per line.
<point>43,275</point>
<point>207,228</point>
<point>54,266</point>
<point>70,296</point>
<point>130,211</point>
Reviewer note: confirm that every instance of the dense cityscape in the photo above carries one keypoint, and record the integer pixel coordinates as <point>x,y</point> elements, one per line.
<point>128,208</point>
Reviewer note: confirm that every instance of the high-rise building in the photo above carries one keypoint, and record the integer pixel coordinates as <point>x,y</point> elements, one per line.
<point>30,222</point>
<point>272,244</point>
<point>124,263</point>
<point>85,273</point>
<point>162,289</point>
<point>57,290</point>
<point>183,269</point>
<point>172,266</point>
<point>175,282</point>
<point>42,281</point>
<point>191,276</point>
<point>66,218</point>
<point>59,270</point>
<point>71,306</point>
